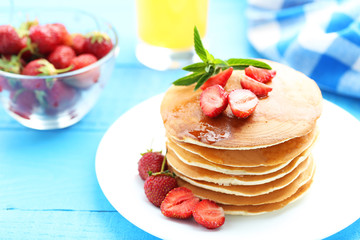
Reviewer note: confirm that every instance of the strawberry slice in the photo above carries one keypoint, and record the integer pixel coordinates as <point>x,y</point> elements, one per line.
<point>220,79</point>
<point>260,74</point>
<point>179,203</point>
<point>213,100</point>
<point>260,89</point>
<point>242,102</point>
<point>209,214</point>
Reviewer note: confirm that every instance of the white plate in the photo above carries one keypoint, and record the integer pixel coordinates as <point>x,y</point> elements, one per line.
<point>331,204</point>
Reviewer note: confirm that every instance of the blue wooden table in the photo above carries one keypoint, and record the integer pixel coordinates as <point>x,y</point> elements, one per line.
<point>48,185</point>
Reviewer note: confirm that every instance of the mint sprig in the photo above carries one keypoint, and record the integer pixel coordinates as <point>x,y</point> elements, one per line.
<point>211,66</point>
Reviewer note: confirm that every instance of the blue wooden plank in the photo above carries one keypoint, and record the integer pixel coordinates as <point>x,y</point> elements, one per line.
<point>52,224</point>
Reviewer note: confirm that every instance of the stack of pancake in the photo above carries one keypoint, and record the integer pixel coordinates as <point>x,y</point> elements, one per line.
<point>248,166</point>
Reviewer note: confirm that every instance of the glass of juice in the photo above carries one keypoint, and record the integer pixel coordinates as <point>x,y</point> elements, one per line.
<point>165,31</point>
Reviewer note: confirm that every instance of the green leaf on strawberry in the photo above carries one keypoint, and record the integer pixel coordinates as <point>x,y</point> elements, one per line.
<point>211,66</point>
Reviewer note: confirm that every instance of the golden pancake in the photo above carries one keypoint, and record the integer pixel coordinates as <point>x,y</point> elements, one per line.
<point>264,208</point>
<point>251,190</point>
<point>274,155</point>
<point>197,161</point>
<point>231,199</point>
<point>202,174</point>
<point>290,111</point>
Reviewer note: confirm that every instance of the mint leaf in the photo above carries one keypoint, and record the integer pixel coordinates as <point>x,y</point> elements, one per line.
<point>188,80</point>
<point>220,63</point>
<point>196,67</point>
<point>199,47</point>
<point>240,63</point>
<point>204,78</point>
<point>209,57</point>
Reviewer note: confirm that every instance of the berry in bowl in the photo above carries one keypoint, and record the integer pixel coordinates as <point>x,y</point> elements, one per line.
<point>54,67</point>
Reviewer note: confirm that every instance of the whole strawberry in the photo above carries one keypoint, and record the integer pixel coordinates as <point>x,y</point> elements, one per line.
<point>10,42</point>
<point>85,79</point>
<point>158,185</point>
<point>62,56</point>
<point>62,33</point>
<point>150,161</point>
<point>39,67</point>
<point>60,96</point>
<point>45,37</point>
<point>23,102</point>
<point>78,42</point>
<point>98,43</point>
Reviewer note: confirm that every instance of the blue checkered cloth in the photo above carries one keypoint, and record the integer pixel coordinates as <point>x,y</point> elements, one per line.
<point>319,38</point>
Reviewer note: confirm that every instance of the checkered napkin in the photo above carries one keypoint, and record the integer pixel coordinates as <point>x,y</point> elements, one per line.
<point>318,38</point>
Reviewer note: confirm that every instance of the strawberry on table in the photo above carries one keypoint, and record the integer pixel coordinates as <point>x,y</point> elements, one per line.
<point>242,102</point>
<point>219,79</point>
<point>98,43</point>
<point>209,214</point>
<point>179,203</point>
<point>150,161</point>
<point>23,102</point>
<point>213,101</point>
<point>260,74</point>
<point>157,186</point>
<point>260,89</point>
<point>86,79</point>
<point>10,42</point>
<point>62,56</point>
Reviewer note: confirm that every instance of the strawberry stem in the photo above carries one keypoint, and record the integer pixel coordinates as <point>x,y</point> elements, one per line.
<point>163,164</point>
<point>64,69</point>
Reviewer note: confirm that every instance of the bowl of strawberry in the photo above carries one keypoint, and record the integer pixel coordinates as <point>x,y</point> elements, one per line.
<point>53,68</point>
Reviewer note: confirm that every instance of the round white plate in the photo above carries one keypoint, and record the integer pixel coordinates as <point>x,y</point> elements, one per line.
<point>331,204</point>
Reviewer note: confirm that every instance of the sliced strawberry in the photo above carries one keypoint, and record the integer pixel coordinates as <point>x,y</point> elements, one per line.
<point>213,100</point>
<point>260,89</point>
<point>260,74</point>
<point>209,214</point>
<point>242,102</point>
<point>179,203</point>
<point>220,79</point>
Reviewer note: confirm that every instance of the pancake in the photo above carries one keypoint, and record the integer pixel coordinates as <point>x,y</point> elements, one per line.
<point>231,199</point>
<point>290,111</point>
<point>202,174</point>
<point>253,190</point>
<point>264,208</point>
<point>274,155</point>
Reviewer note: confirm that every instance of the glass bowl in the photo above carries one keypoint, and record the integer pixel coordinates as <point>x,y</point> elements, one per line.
<point>69,96</point>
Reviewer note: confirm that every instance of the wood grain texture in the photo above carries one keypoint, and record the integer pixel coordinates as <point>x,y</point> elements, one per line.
<point>60,224</point>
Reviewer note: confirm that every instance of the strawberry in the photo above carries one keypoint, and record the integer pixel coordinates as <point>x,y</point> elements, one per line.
<point>23,102</point>
<point>62,56</point>
<point>62,33</point>
<point>209,214</point>
<point>242,102</point>
<point>220,79</point>
<point>213,100</point>
<point>98,43</point>
<point>78,42</point>
<point>150,161</point>
<point>86,79</point>
<point>60,96</point>
<point>179,203</point>
<point>10,42</point>
<point>260,74</point>
<point>157,186</point>
<point>46,38</point>
<point>260,89</point>
<point>11,64</point>
<point>39,67</point>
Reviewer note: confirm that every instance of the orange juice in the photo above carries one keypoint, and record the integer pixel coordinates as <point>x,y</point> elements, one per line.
<point>170,23</point>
